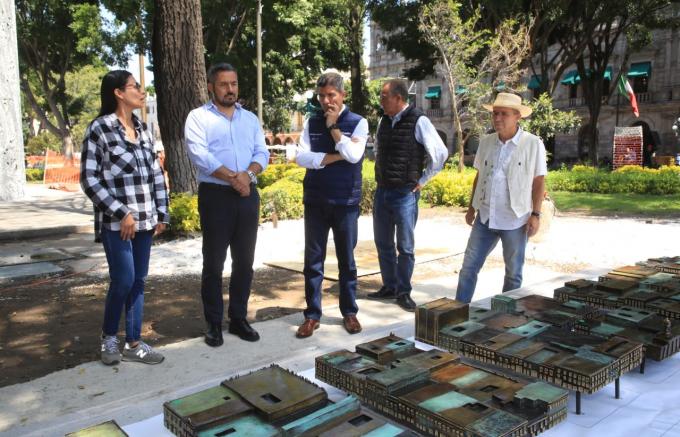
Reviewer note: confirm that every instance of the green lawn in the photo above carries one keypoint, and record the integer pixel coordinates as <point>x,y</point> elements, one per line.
<point>619,204</point>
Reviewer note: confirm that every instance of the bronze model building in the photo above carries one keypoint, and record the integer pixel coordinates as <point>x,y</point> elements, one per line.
<point>106,429</point>
<point>272,402</point>
<point>660,336</point>
<point>653,285</point>
<point>436,394</point>
<point>532,345</point>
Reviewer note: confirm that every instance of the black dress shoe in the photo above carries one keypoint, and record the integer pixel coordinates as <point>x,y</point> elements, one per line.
<point>406,303</point>
<point>242,328</point>
<point>383,293</point>
<point>213,335</point>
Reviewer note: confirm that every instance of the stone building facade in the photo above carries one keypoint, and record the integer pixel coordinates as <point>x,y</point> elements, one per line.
<point>654,73</point>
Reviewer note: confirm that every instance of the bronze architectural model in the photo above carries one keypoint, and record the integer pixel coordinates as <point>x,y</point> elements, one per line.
<point>106,429</point>
<point>436,394</point>
<point>652,285</point>
<point>533,346</point>
<point>271,402</point>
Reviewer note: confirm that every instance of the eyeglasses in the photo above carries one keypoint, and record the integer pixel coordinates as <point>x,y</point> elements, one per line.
<point>135,85</point>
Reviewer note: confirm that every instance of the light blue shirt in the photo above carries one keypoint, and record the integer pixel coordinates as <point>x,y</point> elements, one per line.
<point>214,140</point>
<point>436,152</point>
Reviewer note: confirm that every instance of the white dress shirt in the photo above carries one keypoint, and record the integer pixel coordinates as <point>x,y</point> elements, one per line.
<point>351,149</point>
<point>496,208</point>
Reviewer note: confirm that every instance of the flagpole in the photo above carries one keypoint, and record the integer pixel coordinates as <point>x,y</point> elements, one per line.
<point>618,97</point>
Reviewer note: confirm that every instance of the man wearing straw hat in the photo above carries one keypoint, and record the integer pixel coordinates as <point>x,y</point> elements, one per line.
<point>506,195</point>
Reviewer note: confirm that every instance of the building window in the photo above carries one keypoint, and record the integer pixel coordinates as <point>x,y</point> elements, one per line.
<point>535,85</point>
<point>640,84</point>
<point>573,91</point>
<point>638,74</point>
<point>434,94</point>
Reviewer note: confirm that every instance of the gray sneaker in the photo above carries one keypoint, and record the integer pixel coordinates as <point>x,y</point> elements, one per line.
<point>110,351</point>
<point>143,353</point>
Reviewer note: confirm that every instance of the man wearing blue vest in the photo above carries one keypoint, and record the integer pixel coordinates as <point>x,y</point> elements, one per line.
<point>408,153</point>
<point>331,149</point>
<point>506,195</point>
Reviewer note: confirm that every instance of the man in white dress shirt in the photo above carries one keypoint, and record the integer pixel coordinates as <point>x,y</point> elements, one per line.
<point>506,195</point>
<point>332,150</point>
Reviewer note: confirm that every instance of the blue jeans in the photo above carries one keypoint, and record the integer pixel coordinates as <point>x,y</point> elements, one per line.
<point>318,221</point>
<point>395,210</point>
<point>480,244</point>
<point>128,267</point>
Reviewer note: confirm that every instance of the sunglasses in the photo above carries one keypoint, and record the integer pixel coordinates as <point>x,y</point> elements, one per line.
<point>135,85</point>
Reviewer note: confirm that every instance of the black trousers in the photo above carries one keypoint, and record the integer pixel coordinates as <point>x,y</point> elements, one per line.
<point>227,221</point>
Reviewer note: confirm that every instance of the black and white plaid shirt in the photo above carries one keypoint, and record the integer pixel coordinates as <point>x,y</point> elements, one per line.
<point>122,177</point>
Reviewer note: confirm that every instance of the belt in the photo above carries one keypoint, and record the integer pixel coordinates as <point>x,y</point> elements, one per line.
<point>222,188</point>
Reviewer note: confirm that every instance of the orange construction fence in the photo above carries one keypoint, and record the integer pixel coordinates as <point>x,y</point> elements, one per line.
<point>61,170</point>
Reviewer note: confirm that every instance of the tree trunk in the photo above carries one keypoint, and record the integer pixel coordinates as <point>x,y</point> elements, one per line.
<point>457,127</point>
<point>356,23</point>
<point>67,146</point>
<point>180,81</point>
<point>592,93</point>
<point>12,169</point>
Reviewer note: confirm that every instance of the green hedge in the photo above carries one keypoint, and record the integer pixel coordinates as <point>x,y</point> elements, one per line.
<point>283,197</point>
<point>184,217</point>
<point>280,188</point>
<point>34,174</point>
<point>273,173</point>
<point>449,188</point>
<point>627,179</point>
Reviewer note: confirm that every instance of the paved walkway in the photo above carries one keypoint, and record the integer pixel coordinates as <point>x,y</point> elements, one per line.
<point>71,399</point>
<point>45,212</point>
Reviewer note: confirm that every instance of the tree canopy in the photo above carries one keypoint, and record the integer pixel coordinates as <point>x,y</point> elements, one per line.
<point>56,39</point>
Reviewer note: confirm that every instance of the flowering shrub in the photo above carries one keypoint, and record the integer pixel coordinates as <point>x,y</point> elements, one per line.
<point>627,179</point>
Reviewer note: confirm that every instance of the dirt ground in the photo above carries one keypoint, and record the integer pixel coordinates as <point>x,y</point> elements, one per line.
<point>54,323</point>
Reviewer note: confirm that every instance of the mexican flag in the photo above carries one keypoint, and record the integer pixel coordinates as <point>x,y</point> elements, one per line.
<point>627,91</point>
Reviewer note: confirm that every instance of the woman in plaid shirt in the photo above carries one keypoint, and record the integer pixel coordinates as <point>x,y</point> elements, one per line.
<point>120,173</point>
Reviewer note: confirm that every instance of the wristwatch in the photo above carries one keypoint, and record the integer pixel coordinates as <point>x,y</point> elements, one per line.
<point>334,126</point>
<point>536,214</point>
<point>253,178</point>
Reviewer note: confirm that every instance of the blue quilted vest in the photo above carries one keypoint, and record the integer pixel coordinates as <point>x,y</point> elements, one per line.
<point>338,183</point>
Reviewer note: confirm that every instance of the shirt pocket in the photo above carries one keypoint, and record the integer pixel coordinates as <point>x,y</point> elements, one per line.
<point>122,161</point>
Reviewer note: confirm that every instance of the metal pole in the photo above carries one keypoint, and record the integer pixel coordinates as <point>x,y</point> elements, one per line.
<point>259,60</point>
<point>618,96</point>
<point>141,82</point>
<point>617,388</point>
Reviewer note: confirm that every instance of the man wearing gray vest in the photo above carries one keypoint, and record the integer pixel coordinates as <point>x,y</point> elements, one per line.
<point>409,152</point>
<point>506,195</point>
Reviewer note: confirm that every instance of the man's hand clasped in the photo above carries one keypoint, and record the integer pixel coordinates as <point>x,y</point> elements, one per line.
<point>241,182</point>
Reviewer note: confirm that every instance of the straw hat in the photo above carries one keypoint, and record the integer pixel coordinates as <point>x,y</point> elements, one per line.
<point>512,101</point>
